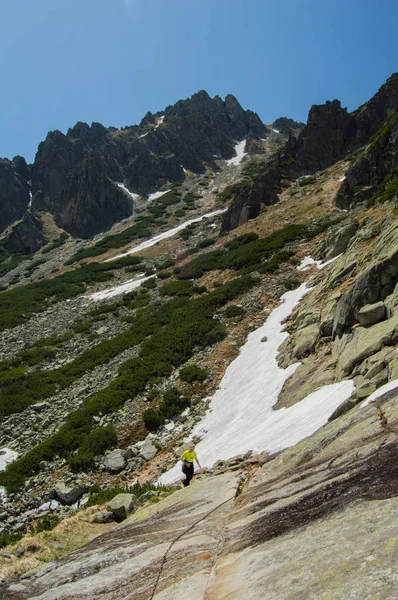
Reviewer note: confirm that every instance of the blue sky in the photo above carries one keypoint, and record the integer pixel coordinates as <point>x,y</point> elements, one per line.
<point>111,61</point>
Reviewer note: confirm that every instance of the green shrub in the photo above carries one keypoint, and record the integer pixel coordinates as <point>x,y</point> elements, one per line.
<point>153,419</point>
<point>234,311</point>
<point>9,539</point>
<point>46,523</point>
<point>177,288</point>
<point>58,242</point>
<point>163,274</point>
<point>173,403</point>
<point>150,284</point>
<point>101,496</point>
<point>193,373</point>
<point>241,240</point>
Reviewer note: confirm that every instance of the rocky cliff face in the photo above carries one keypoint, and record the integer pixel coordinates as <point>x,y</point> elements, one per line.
<point>73,175</point>
<point>14,190</point>
<point>331,132</point>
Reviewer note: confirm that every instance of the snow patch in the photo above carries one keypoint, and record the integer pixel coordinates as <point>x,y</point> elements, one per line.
<point>241,415</point>
<point>30,198</point>
<point>143,135</point>
<point>240,153</point>
<point>276,130</point>
<point>6,456</point>
<point>160,121</point>
<point>131,194</point>
<point>308,260</point>
<point>130,285</point>
<point>391,385</point>
<point>167,234</point>
<point>342,178</point>
<point>157,195</point>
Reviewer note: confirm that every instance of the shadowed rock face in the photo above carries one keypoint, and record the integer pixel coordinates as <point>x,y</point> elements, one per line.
<point>336,490</point>
<point>14,190</point>
<point>74,174</point>
<point>372,167</point>
<point>26,236</point>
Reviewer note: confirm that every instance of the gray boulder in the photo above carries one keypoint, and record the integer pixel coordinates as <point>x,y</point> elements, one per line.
<point>305,341</point>
<point>148,450</point>
<point>371,314</point>
<point>69,494</point>
<point>103,517</point>
<point>122,505</point>
<point>115,461</point>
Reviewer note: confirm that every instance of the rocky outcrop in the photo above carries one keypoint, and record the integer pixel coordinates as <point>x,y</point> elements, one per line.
<point>288,126</point>
<point>329,135</point>
<point>89,201</point>
<point>74,174</point>
<point>373,170</point>
<point>14,190</point>
<point>261,192</point>
<point>27,236</point>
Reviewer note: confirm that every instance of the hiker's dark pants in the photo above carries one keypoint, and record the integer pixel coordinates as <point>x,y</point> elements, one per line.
<point>188,472</point>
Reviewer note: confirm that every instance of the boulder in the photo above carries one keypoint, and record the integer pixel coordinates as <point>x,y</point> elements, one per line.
<point>69,494</point>
<point>103,517</point>
<point>364,343</point>
<point>371,314</point>
<point>305,340</point>
<point>148,450</point>
<point>39,406</point>
<point>121,506</point>
<point>115,461</point>
<point>365,390</point>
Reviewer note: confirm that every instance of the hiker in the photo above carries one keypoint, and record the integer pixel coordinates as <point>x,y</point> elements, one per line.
<point>187,467</point>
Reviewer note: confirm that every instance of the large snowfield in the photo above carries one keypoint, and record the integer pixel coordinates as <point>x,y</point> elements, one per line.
<point>241,416</point>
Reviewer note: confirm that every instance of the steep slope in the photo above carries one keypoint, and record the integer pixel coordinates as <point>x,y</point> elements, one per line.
<point>82,374</point>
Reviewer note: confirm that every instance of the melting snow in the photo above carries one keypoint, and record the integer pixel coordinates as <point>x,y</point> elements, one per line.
<point>30,198</point>
<point>130,285</point>
<point>157,195</point>
<point>240,153</point>
<point>166,234</point>
<point>160,121</point>
<point>143,135</point>
<point>131,194</point>
<point>6,456</point>
<point>308,260</point>
<point>241,417</point>
<point>391,385</point>
<point>276,130</point>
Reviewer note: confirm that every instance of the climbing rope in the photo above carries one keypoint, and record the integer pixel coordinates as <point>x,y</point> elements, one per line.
<point>181,535</point>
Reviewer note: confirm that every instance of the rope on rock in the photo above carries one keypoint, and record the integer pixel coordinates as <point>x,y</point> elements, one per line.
<point>180,536</point>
